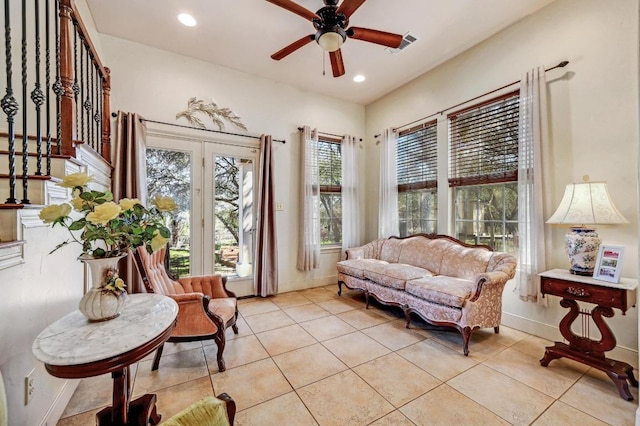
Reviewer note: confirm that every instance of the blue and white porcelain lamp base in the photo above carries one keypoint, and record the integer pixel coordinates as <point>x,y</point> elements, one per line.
<point>581,246</point>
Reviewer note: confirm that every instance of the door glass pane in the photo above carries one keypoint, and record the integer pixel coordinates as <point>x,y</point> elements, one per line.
<point>233,216</point>
<point>169,174</point>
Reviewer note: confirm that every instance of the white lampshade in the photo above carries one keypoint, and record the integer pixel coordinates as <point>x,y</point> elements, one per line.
<point>330,41</point>
<point>587,203</point>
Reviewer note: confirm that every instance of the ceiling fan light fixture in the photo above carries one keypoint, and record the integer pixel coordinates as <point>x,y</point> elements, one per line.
<point>332,39</point>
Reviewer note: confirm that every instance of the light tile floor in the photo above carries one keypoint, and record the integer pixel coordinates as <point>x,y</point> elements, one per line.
<point>313,358</point>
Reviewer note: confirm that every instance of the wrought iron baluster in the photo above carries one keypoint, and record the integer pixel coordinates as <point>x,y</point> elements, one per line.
<point>10,105</point>
<point>81,116</point>
<point>58,88</point>
<point>87,91</point>
<point>25,138</point>
<point>47,82</point>
<point>37,96</point>
<point>90,139</point>
<point>99,112</point>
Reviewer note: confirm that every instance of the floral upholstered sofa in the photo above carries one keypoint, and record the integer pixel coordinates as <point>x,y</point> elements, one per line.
<point>441,279</point>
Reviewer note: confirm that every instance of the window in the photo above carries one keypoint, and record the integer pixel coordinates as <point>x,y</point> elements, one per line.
<point>330,169</point>
<point>483,148</point>
<point>417,166</point>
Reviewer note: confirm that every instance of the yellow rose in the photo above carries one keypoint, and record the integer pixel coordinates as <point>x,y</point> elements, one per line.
<point>165,204</point>
<point>103,213</point>
<point>158,241</point>
<point>54,211</point>
<point>75,179</point>
<point>128,203</point>
<point>119,284</point>
<point>77,203</point>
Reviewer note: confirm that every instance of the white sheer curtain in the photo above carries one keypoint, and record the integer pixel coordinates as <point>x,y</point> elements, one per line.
<point>388,221</point>
<point>533,138</point>
<point>309,220</point>
<point>350,194</point>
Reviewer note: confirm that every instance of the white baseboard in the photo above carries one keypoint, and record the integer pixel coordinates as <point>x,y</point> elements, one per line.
<point>56,409</point>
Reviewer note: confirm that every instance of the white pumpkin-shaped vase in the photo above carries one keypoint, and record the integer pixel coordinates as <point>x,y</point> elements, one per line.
<point>99,304</point>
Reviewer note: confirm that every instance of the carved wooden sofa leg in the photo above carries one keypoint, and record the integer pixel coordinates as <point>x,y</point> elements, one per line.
<point>496,329</point>
<point>339,288</point>
<point>466,335</point>
<point>407,315</point>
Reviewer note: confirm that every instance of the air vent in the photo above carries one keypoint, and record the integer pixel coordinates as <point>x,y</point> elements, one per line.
<point>407,40</point>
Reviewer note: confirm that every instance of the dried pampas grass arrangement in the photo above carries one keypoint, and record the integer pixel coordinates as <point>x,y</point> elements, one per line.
<point>217,114</point>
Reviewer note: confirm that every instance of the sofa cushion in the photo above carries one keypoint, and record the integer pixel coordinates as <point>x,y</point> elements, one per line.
<point>464,262</point>
<point>356,267</point>
<point>394,275</point>
<point>442,290</point>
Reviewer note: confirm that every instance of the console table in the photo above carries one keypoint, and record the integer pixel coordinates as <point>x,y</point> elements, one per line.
<point>74,348</point>
<point>605,296</point>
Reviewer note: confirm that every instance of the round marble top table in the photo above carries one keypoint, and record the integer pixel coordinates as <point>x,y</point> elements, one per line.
<point>73,348</point>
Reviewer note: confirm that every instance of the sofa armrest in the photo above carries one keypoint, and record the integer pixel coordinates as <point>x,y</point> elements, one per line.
<point>355,253</point>
<point>494,278</point>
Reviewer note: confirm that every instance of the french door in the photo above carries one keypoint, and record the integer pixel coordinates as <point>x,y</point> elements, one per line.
<point>213,184</point>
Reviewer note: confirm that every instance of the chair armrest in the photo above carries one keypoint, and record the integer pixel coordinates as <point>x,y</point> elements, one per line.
<point>194,316</point>
<point>213,286</point>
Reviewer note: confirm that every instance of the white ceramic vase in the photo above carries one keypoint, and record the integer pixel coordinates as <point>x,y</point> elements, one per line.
<point>98,304</point>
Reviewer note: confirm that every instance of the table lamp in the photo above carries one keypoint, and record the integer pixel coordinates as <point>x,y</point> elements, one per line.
<point>584,205</point>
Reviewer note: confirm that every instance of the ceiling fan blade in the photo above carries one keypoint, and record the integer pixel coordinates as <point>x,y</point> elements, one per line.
<point>337,65</point>
<point>295,8</point>
<point>349,6</point>
<point>374,36</point>
<point>293,47</point>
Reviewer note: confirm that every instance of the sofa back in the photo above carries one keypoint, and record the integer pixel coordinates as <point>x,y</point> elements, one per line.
<point>465,262</point>
<point>423,252</point>
<point>442,255</point>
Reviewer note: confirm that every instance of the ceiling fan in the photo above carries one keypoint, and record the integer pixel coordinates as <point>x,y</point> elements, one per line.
<point>331,24</point>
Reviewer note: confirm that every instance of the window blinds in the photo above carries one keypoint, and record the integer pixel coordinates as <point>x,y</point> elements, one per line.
<point>330,164</point>
<point>417,158</point>
<point>483,142</point>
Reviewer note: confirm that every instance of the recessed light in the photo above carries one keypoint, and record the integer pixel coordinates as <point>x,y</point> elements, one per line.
<point>359,78</point>
<point>187,20</point>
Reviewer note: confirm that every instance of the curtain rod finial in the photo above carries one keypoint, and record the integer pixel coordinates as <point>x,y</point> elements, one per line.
<point>563,64</point>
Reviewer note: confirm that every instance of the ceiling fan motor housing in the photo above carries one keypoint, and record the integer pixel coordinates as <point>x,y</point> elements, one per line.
<point>330,21</point>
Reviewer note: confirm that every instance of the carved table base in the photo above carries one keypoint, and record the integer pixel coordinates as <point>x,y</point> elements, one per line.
<point>618,371</point>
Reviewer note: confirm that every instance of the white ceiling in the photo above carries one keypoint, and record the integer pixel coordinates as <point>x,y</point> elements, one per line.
<point>242,34</point>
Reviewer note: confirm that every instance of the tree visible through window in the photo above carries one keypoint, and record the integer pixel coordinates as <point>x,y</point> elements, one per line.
<point>417,168</point>
<point>483,147</point>
<point>330,169</point>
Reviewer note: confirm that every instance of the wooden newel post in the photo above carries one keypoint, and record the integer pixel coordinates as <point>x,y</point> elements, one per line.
<point>68,123</point>
<point>106,116</point>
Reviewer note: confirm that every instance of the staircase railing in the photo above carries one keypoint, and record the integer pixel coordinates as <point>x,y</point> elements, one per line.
<point>61,98</point>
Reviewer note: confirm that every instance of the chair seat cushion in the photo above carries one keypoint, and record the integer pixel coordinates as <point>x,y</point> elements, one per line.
<point>224,307</point>
<point>442,290</point>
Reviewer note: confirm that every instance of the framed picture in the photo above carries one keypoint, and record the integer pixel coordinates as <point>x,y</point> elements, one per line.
<point>609,263</point>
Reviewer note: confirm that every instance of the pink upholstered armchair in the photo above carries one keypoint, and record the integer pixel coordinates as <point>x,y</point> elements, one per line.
<point>206,307</point>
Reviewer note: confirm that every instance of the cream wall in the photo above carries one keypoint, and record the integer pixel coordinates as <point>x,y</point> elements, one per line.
<point>157,85</point>
<point>593,113</point>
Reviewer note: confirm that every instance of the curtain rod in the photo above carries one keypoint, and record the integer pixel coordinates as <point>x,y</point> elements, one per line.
<point>560,65</point>
<point>113,114</point>
<point>326,134</point>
